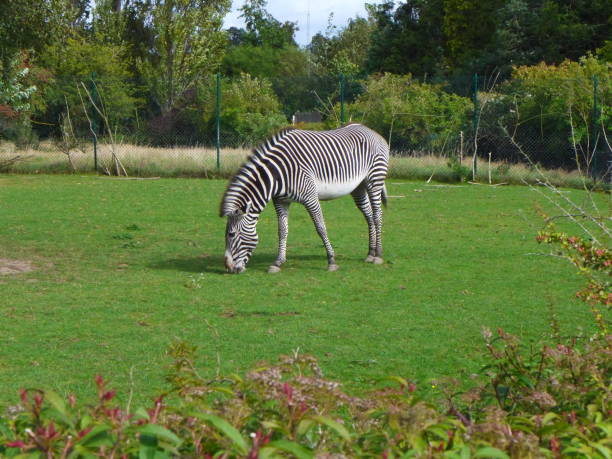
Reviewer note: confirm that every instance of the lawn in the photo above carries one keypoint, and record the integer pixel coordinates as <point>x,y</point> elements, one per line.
<point>124,267</point>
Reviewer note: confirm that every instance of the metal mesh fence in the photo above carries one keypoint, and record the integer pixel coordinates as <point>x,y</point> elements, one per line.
<point>433,125</point>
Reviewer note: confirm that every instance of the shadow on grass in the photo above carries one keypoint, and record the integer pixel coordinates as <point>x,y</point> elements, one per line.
<point>214,263</point>
<point>199,264</point>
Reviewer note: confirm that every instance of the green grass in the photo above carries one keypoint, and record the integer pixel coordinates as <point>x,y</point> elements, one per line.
<point>124,267</point>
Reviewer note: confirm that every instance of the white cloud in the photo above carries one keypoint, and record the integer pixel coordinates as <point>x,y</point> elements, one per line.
<point>297,11</point>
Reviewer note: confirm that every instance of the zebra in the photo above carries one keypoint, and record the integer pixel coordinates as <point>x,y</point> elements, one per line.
<point>305,167</point>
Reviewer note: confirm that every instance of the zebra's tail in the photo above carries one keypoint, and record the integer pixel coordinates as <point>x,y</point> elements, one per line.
<point>383,195</point>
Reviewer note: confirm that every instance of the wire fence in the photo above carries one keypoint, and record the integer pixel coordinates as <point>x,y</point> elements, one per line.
<point>562,125</point>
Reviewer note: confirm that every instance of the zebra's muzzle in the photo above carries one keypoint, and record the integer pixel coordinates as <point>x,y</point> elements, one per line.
<point>234,268</point>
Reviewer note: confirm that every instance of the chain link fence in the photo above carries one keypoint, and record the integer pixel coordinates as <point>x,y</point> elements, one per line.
<point>484,126</point>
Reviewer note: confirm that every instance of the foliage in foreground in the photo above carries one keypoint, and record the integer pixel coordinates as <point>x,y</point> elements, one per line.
<point>546,403</point>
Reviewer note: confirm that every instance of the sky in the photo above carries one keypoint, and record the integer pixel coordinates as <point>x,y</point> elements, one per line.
<point>297,11</point>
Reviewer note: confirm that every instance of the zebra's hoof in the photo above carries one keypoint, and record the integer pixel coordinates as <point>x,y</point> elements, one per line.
<point>333,268</point>
<point>370,259</point>
<point>274,269</point>
<point>378,261</point>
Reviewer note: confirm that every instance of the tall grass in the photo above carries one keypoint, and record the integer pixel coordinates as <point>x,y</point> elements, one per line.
<point>146,161</point>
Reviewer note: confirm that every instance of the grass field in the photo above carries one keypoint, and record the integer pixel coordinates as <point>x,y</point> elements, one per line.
<point>124,267</point>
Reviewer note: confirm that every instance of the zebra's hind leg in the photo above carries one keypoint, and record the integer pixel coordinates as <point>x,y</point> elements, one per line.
<point>360,196</point>
<point>375,195</point>
<point>282,212</point>
<point>314,209</point>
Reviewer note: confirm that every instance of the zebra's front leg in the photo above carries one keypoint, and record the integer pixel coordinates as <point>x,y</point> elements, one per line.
<point>282,212</point>
<point>314,209</point>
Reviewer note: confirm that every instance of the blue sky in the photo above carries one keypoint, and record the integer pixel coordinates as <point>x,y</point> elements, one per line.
<point>297,11</point>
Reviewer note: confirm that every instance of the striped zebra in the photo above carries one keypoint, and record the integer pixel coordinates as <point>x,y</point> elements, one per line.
<point>306,167</point>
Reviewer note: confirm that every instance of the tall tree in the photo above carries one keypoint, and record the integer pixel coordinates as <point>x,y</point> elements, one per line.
<point>186,43</point>
<point>27,25</point>
<point>344,51</point>
<point>264,29</point>
<point>568,29</point>
<point>266,49</point>
<point>406,39</point>
<point>469,28</point>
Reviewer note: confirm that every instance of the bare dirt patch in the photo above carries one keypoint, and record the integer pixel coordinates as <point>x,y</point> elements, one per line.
<point>8,266</point>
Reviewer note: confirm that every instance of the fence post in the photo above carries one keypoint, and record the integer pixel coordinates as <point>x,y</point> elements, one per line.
<point>475,121</point>
<point>218,119</point>
<point>342,83</point>
<point>94,122</point>
<point>599,162</point>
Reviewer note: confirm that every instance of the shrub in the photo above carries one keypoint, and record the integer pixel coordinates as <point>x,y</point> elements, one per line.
<point>76,62</point>
<point>413,115</point>
<point>250,110</point>
<point>547,108</point>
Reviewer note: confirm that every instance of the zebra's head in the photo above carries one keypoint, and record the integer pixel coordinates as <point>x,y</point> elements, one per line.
<point>240,239</point>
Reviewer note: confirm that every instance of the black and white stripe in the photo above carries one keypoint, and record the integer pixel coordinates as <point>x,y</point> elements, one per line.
<point>306,167</point>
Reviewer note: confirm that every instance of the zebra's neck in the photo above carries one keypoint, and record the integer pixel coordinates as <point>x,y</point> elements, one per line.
<point>251,187</point>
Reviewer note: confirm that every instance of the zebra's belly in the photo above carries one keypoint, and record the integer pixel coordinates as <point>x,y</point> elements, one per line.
<point>332,190</point>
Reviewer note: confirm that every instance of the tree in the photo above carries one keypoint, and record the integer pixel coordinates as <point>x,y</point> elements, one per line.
<point>186,43</point>
<point>263,29</point>
<point>469,27</point>
<point>266,49</point>
<point>30,25</point>
<point>74,61</point>
<point>344,51</point>
<point>567,29</point>
<point>406,39</point>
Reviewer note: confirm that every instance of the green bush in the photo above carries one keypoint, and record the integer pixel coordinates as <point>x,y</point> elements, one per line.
<point>548,108</point>
<point>414,116</point>
<point>72,64</point>
<point>250,110</point>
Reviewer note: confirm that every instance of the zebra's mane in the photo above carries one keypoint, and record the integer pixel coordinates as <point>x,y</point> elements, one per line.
<point>231,197</point>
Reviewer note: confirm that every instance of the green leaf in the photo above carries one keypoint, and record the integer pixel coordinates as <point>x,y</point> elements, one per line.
<point>85,421</point>
<point>141,413</point>
<point>226,428</point>
<point>56,401</point>
<point>99,436</point>
<point>606,427</point>
<point>151,452</point>
<point>148,446</point>
<point>59,406</point>
<point>549,417</point>
<point>491,452</point>
<point>297,450</point>
<point>334,425</point>
<point>304,426</point>
<point>440,431</point>
<point>603,450</point>
<point>526,381</point>
<point>161,433</point>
